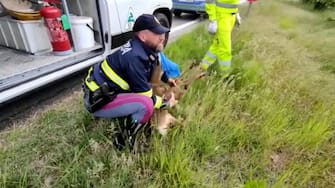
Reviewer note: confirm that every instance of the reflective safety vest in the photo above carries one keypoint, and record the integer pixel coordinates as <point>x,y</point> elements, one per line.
<point>115,82</point>
<point>215,7</point>
<point>93,79</point>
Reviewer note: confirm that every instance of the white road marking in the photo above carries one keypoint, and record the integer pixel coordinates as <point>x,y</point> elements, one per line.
<point>180,27</point>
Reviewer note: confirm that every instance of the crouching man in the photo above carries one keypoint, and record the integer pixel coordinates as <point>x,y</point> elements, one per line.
<point>119,87</point>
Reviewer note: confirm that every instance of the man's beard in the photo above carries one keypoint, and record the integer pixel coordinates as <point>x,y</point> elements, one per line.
<point>159,48</point>
<point>155,47</point>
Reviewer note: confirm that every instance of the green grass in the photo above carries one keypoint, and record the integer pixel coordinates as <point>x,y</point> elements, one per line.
<point>272,126</point>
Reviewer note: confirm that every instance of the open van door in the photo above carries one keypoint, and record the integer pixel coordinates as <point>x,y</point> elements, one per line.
<point>22,72</point>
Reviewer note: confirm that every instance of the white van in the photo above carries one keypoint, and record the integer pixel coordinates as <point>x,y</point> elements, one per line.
<point>27,62</point>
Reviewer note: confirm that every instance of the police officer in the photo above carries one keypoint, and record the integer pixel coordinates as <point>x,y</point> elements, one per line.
<point>119,86</point>
<point>221,15</point>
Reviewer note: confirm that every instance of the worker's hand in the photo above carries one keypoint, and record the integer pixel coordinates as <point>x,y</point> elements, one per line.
<point>212,27</point>
<point>172,82</point>
<point>238,19</point>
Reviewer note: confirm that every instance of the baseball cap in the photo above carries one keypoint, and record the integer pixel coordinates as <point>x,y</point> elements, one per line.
<point>150,22</point>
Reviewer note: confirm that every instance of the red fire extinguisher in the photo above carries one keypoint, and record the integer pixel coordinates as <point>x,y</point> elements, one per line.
<point>58,36</point>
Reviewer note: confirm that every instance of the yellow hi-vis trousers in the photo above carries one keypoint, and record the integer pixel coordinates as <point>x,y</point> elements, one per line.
<point>220,49</point>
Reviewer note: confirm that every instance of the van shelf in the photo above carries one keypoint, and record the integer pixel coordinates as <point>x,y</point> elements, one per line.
<point>18,67</point>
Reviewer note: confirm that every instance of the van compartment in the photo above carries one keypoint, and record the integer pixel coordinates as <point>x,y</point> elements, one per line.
<point>29,36</point>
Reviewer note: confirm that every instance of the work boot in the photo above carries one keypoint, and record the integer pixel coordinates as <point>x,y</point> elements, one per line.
<point>129,132</point>
<point>138,134</point>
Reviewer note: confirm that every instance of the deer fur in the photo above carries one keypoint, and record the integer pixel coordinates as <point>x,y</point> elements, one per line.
<point>162,118</point>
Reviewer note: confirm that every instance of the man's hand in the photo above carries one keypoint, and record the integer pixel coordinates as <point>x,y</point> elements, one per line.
<point>172,82</point>
<point>212,27</point>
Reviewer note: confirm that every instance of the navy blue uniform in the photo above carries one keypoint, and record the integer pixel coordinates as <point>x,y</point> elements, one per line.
<point>128,72</point>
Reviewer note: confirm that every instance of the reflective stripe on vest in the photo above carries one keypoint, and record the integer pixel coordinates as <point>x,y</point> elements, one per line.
<point>210,1</point>
<point>225,5</point>
<point>92,85</point>
<point>108,71</point>
<point>146,93</point>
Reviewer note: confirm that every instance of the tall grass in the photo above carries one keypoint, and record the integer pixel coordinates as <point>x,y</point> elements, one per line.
<point>272,125</point>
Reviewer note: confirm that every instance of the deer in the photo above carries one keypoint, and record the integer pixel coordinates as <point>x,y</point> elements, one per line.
<point>161,118</point>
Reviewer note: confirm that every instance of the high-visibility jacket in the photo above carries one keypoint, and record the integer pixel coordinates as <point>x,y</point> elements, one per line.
<point>128,70</point>
<point>223,12</point>
<point>215,7</point>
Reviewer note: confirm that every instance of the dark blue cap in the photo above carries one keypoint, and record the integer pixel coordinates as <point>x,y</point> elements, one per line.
<point>150,22</point>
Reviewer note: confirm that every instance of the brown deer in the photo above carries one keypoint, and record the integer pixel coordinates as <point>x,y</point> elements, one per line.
<point>162,118</point>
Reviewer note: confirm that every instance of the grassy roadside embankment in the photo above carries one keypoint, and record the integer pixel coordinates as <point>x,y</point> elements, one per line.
<point>273,126</point>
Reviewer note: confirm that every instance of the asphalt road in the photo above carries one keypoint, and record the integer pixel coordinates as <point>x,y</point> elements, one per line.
<point>37,100</point>
<point>183,19</point>
<point>182,25</point>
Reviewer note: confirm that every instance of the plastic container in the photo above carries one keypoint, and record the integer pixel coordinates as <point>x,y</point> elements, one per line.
<point>83,36</point>
<point>28,36</point>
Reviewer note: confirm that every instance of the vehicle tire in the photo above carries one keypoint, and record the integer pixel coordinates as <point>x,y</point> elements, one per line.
<point>177,13</point>
<point>165,22</point>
